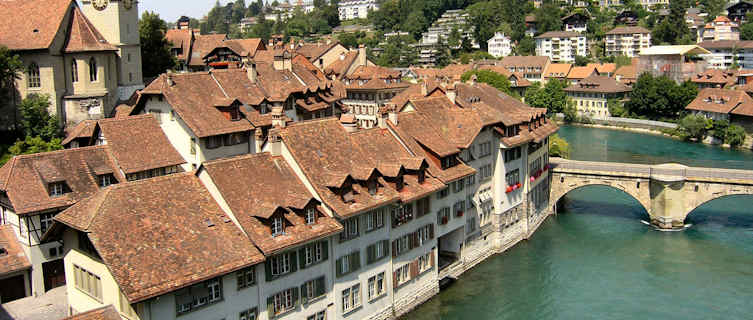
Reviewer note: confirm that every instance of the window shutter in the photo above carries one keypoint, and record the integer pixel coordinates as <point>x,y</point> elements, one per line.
<point>415,240</point>
<point>394,279</point>
<point>370,254</point>
<point>304,298</point>
<point>293,265</point>
<point>432,258</point>
<point>268,270</point>
<point>355,263</point>
<point>295,296</point>
<point>302,257</point>
<point>325,249</point>
<point>386,247</point>
<point>271,307</point>
<point>394,248</point>
<point>320,290</point>
<point>414,269</point>
<point>339,267</point>
<point>431,231</point>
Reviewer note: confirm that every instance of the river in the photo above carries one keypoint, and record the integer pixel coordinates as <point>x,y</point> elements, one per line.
<point>595,260</point>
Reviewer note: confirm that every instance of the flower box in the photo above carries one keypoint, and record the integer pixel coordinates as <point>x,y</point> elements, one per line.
<point>444,220</point>
<point>460,213</point>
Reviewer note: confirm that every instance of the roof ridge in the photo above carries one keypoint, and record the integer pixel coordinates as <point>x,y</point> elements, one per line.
<point>72,150</point>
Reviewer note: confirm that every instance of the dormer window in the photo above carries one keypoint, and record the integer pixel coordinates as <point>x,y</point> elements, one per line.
<point>347,194</point>
<point>421,176</point>
<point>57,189</point>
<point>105,180</point>
<point>3,252</point>
<point>372,185</point>
<point>278,226</point>
<point>310,215</point>
<point>399,182</point>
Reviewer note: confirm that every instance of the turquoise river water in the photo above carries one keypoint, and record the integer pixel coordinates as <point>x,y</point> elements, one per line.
<point>596,260</point>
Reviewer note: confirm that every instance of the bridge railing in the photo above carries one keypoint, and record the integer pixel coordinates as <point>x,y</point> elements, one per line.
<point>714,173</point>
<point>709,173</point>
<point>601,166</point>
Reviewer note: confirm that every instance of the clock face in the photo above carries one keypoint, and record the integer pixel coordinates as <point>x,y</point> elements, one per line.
<point>100,4</point>
<point>128,4</point>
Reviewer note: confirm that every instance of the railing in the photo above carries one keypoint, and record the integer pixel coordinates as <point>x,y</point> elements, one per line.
<point>641,169</point>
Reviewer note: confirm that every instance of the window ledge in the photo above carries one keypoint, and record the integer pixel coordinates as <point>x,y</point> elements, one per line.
<point>375,298</point>
<point>352,310</point>
<point>314,300</point>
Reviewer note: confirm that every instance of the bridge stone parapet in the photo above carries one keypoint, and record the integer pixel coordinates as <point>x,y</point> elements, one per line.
<point>668,192</point>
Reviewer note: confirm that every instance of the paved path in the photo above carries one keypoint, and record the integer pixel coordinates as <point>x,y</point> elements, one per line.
<point>53,305</point>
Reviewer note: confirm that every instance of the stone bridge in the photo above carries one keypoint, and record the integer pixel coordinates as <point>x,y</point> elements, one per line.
<point>668,192</point>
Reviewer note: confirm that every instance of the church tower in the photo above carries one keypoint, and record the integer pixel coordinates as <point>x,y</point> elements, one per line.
<point>118,22</point>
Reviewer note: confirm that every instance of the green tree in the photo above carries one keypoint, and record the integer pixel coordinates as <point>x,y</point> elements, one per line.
<point>32,145</point>
<point>551,97</point>
<point>526,47</point>
<point>154,47</point>
<point>548,18</point>
<point>693,127</point>
<point>734,135</point>
<point>491,78</point>
<point>238,11</point>
<point>36,119</point>
<point>558,147</point>
<point>263,30</point>
<point>582,61</point>
<point>467,57</point>
<point>659,98</point>
<point>616,109</point>
<point>669,30</point>
<point>11,67</point>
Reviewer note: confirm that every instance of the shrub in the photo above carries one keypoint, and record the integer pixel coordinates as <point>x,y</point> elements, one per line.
<point>734,135</point>
<point>558,147</point>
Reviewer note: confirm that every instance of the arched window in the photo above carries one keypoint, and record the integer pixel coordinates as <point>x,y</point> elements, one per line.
<point>74,70</point>
<point>34,79</point>
<point>92,70</point>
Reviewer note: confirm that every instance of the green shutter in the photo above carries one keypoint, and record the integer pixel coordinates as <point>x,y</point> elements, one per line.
<point>394,248</point>
<point>304,298</point>
<point>268,270</point>
<point>339,267</point>
<point>302,257</point>
<point>325,249</point>
<point>295,296</point>
<point>320,290</point>
<point>293,266</point>
<point>271,307</point>
<point>356,262</point>
<point>370,254</point>
<point>386,245</point>
<point>431,231</point>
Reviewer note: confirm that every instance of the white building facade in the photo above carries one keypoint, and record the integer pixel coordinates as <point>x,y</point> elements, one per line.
<point>500,45</point>
<point>356,9</point>
<point>627,41</point>
<point>561,47</point>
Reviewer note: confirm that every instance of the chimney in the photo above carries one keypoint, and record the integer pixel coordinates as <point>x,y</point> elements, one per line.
<point>271,44</point>
<point>391,110</point>
<point>169,78</point>
<point>424,89</point>
<point>361,55</point>
<point>258,140</point>
<point>251,71</point>
<point>277,117</point>
<point>274,139</point>
<point>348,121</point>
<point>451,94</point>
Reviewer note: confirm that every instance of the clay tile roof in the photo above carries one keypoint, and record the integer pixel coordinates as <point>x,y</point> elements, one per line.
<point>723,78</point>
<point>313,51</point>
<point>629,72</point>
<point>525,61</point>
<point>83,36</point>
<point>146,230</point>
<point>581,72</point>
<point>28,25</point>
<point>457,126</point>
<point>202,45</point>
<point>139,144</point>
<point>596,83</point>
<point>84,129</point>
<point>603,67</point>
<point>244,47</point>
<point>558,70</point>
<point>418,127</point>
<point>12,256</point>
<point>374,77</point>
<point>107,312</point>
<point>722,101</point>
<point>26,177</point>
<point>414,91</point>
<point>276,187</point>
<point>182,39</point>
<point>559,34</point>
<point>342,64</point>
<point>628,30</point>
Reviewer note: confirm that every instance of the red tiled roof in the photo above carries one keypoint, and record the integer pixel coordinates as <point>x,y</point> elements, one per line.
<point>28,25</point>
<point>181,38</point>
<point>722,101</point>
<point>558,70</point>
<point>723,78</point>
<point>83,36</point>
<point>577,73</point>
<point>628,30</point>
<point>146,230</point>
<point>202,45</point>
<point>84,129</point>
<point>14,259</point>
<point>107,312</point>
<point>603,67</point>
<point>276,187</point>
<point>342,64</point>
<point>596,83</point>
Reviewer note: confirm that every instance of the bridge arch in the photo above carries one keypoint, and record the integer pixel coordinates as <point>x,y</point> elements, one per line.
<point>637,188</point>
<point>704,193</point>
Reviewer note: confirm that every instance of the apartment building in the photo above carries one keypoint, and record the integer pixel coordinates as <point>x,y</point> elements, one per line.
<point>500,45</point>
<point>723,54</point>
<point>575,22</point>
<point>715,78</point>
<point>626,41</point>
<point>222,113</point>
<point>368,89</point>
<point>356,9</point>
<point>347,62</point>
<point>561,46</point>
<point>653,5</point>
<point>592,94</point>
<point>721,28</point>
<point>35,188</point>
<point>530,67</point>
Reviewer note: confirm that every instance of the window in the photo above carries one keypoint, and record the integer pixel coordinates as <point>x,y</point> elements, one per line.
<point>512,154</point>
<point>374,220</point>
<point>350,229</point>
<point>45,221</point>
<point>314,253</point>
<point>470,180</point>
<point>246,277</point>
<point>443,216</point>
<point>471,225</point>
<point>459,208</point>
<point>282,302</point>
<point>278,226</point>
<point>424,234</point>
<point>402,214</point>
<point>214,142</point>
<point>348,263</point>
<point>376,286</point>
<point>402,275</point>
<point>458,185</point>
<point>92,70</point>
<point>105,180</point>
<point>321,315</point>
<point>486,149</point>
<point>34,80</point>
<point>351,298</point>
<point>57,189</point>
<point>310,215</point>
<point>377,251</point>
<point>425,262</point>
<point>280,265</point>
<point>233,139</point>
<point>423,206</point>
<point>193,145</point>
<point>513,177</point>
<point>443,193</point>
<point>249,314</point>
<point>485,172</point>
<point>87,282</point>
<point>313,289</point>
<point>403,244</point>
<point>74,70</point>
